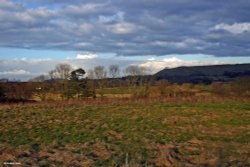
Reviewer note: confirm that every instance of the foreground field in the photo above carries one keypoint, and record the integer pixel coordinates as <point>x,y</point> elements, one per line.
<point>142,133</point>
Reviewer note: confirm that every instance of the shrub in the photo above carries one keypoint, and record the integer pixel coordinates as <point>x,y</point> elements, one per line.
<point>163,87</point>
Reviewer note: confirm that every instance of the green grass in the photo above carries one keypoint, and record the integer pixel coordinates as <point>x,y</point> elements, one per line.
<point>135,121</point>
<point>131,128</point>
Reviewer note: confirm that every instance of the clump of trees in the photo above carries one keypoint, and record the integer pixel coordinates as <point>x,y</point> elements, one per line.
<point>16,92</point>
<point>137,80</point>
<point>78,86</point>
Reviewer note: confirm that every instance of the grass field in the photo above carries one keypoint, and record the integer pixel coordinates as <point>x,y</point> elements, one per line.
<point>140,133</point>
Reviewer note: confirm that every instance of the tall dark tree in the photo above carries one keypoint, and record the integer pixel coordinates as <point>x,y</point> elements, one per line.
<point>77,74</point>
<point>78,84</point>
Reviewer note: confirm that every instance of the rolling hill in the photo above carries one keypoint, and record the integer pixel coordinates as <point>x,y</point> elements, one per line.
<point>203,74</point>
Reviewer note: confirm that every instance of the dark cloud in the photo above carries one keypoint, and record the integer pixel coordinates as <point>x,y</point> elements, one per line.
<point>141,27</point>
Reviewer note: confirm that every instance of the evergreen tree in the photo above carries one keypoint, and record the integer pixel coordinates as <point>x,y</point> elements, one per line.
<point>79,85</point>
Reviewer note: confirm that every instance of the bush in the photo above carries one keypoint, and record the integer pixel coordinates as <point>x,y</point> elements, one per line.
<point>142,91</point>
<point>163,87</point>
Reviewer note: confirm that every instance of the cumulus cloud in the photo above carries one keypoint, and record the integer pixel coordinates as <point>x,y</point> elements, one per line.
<point>122,28</point>
<point>170,44</point>
<point>86,56</point>
<point>236,28</point>
<point>172,62</point>
<point>14,72</point>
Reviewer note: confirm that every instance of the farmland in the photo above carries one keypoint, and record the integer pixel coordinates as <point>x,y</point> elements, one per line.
<point>146,132</point>
<point>114,83</point>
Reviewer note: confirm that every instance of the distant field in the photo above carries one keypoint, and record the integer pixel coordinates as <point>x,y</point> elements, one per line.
<point>114,91</point>
<point>137,134</point>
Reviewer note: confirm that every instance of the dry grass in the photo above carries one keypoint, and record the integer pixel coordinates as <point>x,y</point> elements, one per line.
<point>122,132</point>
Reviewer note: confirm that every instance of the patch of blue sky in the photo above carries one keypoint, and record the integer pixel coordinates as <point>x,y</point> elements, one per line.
<point>13,53</point>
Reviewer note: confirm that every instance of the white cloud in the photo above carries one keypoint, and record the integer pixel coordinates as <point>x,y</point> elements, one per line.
<point>14,72</point>
<point>86,56</point>
<point>188,42</point>
<point>172,60</point>
<point>151,59</point>
<point>179,45</point>
<point>33,61</point>
<point>236,28</point>
<point>157,65</point>
<point>122,28</point>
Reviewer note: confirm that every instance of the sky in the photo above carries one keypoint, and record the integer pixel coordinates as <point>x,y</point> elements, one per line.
<point>35,35</point>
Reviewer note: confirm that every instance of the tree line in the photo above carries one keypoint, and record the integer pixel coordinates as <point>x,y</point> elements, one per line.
<point>65,83</point>
<point>69,83</point>
<point>63,71</point>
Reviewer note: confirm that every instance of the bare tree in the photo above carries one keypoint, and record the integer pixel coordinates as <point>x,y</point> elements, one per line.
<point>133,70</point>
<point>135,78</point>
<point>100,72</point>
<point>53,74</point>
<point>63,70</point>
<point>114,71</point>
<point>90,74</point>
<point>133,74</point>
<point>92,83</point>
<point>144,71</point>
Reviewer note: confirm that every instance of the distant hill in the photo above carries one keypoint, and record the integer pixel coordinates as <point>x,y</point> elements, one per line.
<point>204,74</point>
